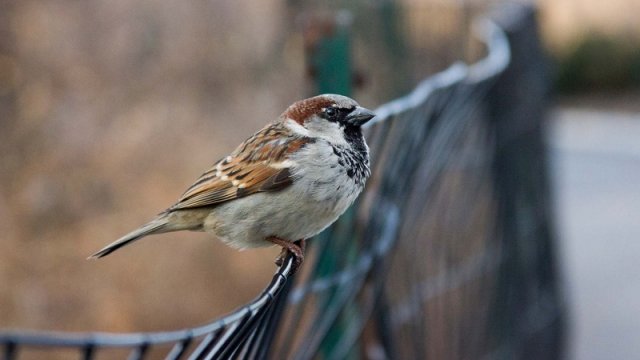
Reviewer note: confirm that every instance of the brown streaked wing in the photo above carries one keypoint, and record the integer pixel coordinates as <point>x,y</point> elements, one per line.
<point>245,172</point>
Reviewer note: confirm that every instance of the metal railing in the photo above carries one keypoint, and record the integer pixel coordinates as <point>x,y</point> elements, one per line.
<point>449,253</point>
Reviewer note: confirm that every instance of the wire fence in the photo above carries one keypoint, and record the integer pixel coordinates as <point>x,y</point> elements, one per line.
<point>449,253</point>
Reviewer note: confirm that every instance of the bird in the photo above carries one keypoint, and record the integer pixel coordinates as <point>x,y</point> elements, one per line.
<point>281,186</point>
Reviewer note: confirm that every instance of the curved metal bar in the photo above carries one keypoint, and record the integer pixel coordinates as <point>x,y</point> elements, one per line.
<point>62,339</point>
<point>497,59</point>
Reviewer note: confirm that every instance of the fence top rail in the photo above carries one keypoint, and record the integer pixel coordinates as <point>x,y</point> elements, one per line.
<point>79,339</point>
<point>496,60</point>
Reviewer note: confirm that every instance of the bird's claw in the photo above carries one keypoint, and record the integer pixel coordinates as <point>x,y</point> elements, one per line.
<point>295,248</point>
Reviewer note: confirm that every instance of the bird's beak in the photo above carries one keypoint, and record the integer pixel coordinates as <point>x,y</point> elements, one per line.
<point>359,116</point>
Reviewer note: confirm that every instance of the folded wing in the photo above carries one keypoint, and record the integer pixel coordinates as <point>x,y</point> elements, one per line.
<point>260,164</point>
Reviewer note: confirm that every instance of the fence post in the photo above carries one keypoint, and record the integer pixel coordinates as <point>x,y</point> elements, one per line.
<point>528,286</point>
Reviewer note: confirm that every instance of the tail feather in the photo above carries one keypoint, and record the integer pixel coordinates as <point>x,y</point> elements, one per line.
<point>156,226</point>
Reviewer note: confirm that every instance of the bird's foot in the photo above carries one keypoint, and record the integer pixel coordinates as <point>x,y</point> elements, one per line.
<point>296,248</point>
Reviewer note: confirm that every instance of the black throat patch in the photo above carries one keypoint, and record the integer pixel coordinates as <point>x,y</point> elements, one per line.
<point>354,158</point>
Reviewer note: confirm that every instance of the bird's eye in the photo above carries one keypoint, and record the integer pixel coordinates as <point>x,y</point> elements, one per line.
<point>331,113</point>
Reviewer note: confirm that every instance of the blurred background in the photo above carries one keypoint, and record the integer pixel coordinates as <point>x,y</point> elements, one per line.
<point>109,110</point>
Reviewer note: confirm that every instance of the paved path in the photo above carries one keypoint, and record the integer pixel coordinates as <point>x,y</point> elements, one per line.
<point>596,173</point>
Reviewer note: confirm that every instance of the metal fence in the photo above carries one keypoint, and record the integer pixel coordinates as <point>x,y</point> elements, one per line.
<point>449,253</point>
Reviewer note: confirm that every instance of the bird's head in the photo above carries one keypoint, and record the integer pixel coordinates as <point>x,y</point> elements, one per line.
<point>328,115</point>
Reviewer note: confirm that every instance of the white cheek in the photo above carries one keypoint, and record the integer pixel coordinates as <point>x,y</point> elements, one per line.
<point>330,131</point>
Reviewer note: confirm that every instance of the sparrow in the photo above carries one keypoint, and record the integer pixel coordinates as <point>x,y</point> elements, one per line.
<point>283,185</point>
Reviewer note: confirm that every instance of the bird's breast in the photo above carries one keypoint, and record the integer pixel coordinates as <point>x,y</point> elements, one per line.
<point>331,173</point>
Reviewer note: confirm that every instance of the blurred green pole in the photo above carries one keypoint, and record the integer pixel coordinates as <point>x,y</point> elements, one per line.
<point>328,54</point>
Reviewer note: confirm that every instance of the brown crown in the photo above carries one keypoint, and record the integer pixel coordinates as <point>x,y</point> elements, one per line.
<point>303,109</point>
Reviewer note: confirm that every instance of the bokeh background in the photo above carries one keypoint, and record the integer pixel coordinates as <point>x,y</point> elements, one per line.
<point>109,109</point>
